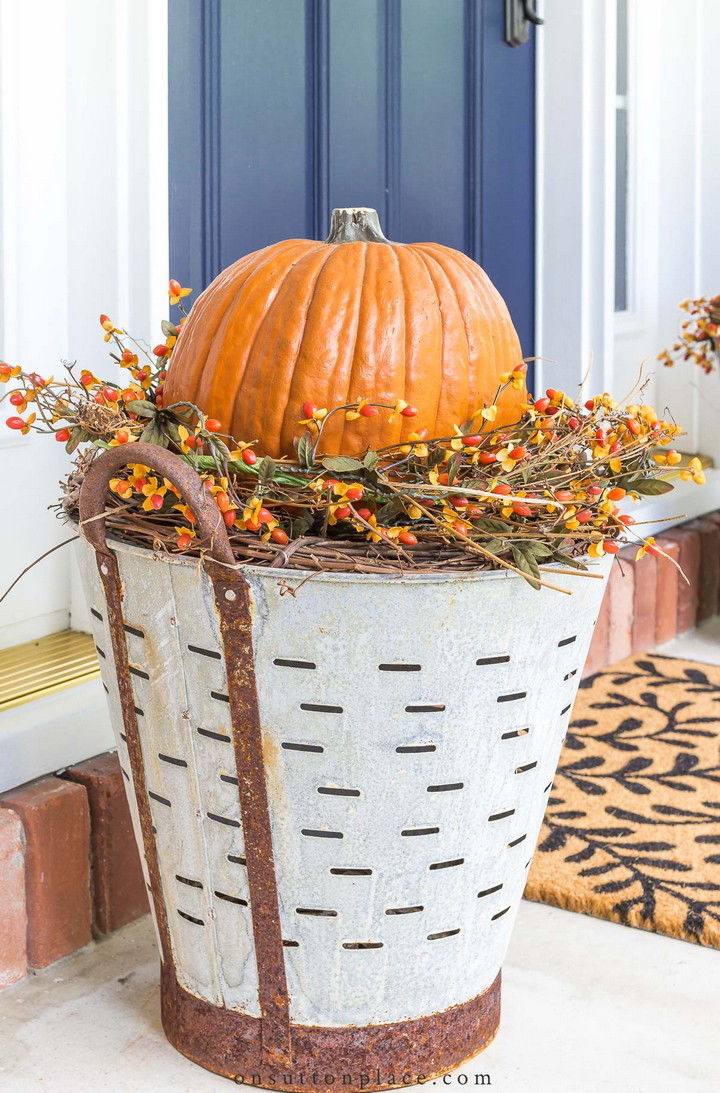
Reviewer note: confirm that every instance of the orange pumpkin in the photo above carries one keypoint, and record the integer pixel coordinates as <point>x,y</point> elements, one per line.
<point>355,316</point>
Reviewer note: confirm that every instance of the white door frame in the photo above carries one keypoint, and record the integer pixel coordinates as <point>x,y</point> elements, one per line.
<point>675,160</point>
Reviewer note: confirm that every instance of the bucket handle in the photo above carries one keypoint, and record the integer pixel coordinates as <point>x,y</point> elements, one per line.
<point>232,601</point>
<point>186,481</point>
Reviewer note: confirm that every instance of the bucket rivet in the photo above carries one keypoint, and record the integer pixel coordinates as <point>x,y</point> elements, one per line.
<point>229,594</point>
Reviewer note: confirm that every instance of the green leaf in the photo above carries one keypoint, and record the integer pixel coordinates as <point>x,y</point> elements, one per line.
<point>220,448</point>
<point>300,525</point>
<point>305,450</point>
<point>567,559</point>
<point>153,434</point>
<point>390,510</point>
<point>77,436</point>
<point>169,329</point>
<point>173,432</point>
<point>341,464</point>
<point>491,524</point>
<point>538,550</point>
<point>453,467</point>
<point>266,468</point>
<point>370,460</point>
<point>650,487</point>
<point>526,564</point>
<point>142,407</point>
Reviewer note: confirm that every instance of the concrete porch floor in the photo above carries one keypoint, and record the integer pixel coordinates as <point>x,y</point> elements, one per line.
<point>587,1005</point>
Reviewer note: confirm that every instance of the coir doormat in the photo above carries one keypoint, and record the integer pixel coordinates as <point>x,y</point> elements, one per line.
<point>632,828</point>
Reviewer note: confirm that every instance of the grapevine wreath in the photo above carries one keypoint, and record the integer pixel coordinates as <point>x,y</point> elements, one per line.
<point>547,489</point>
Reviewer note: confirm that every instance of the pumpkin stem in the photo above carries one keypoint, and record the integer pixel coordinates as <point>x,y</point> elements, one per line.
<point>355,226</point>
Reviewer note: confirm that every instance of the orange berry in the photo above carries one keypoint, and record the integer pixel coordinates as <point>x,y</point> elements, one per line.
<point>104,319</point>
<point>460,527</point>
<point>521,508</point>
<point>229,516</point>
<point>308,409</point>
<point>160,350</point>
<point>502,489</point>
<point>342,512</point>
<point>612,547</point>
<point>222,501</point>
<point>184,541</point>
<point>249,457</point>
<point>15,423</point>
<point>368,410</point>
<point>175,288</point>
<point>122,436</point>
<point>541,405</point>
<point>156,501</point>
<point>564,495</point>
<point>472,441</point>
<point>62,436</point>
<point>407,538</point>
<point>459,502</point>
<point>5,371</point>
<point>127,356</point>
<point>487,457</point>
<point>518,453</point>
<point>354,493</point>
<point>364,514</point>
<point>616,494</point>
<point>409,411</point>
<point>279,536</point>
<point>583,516</point>
<point>265,516</point>
<point>626,518</point>
<point>633,426</point>
<point>17,399</point>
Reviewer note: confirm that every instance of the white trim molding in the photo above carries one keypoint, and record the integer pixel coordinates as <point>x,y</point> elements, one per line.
<point>84,229</point>
<point>575,187</point>
<point>675,244</point>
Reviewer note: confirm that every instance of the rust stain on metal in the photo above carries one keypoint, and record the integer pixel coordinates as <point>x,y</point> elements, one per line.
<point>110,577</point>
<point>233,605</point>
<point>366,1058</point>
<point>232,597</point>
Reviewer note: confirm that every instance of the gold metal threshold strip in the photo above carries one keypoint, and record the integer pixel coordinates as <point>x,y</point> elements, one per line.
<point>45,666</point>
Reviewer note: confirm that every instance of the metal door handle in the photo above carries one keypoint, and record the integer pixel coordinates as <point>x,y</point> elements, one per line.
<point>518,16</point>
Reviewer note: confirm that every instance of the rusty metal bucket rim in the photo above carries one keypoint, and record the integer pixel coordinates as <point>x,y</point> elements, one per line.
<point>319,576</point>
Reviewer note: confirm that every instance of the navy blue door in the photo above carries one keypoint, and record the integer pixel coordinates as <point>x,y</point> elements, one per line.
<point>282,109</point>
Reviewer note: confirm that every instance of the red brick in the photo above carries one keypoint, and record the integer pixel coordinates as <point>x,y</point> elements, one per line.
<point>597,657</point>
<point>119,893</point>
<point>56,820</point>
<point>715,518</point>
<point>644,604</point>
<point>13,917</point>
<point>666,590</point>
<point>621,588</point>
<point>688,584</point>
<point>709,567</point>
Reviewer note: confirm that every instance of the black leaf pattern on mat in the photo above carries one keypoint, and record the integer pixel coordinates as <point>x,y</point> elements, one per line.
<point>641,704</point>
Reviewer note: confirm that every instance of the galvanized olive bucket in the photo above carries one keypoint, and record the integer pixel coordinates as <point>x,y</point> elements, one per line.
<point>337,784</point>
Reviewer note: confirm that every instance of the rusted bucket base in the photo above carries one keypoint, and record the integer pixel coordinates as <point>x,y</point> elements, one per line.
<point>352,1058</point>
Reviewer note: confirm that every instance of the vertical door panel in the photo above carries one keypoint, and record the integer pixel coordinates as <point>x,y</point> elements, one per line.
<point>432,123</point>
